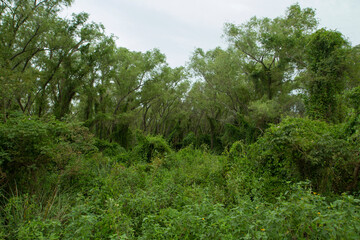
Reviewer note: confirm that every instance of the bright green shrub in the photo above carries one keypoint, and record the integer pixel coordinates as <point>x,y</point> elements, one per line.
<point>195,166</point>
<point>33,152</point>
<point>109,148</point>
<point>237,151</point>
<point>149,147</point>
<point>31,144</point>
<point>298,149</point>
<point>44,162</point>
<point>24,143</point>
<point>243,177</point>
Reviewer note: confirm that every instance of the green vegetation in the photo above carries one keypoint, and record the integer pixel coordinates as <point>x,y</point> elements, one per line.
<point>100,142</point>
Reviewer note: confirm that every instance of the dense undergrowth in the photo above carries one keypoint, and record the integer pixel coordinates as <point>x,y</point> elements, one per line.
<point>295,182</point>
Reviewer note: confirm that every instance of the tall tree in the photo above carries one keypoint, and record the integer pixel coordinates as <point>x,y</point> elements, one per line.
<point>273,47</point>
<point>225,87</point>
<point>326,58</point>
<point>64,65</point>
<point>161,100</point>
<point>24,27</point>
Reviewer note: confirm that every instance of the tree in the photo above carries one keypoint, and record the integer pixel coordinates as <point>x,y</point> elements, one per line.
<point>326,58</point>
<point>162,99</point>
<point>225,88</point>
<point>64,66</point>
<point>273,47</point>
<point>24,27</point>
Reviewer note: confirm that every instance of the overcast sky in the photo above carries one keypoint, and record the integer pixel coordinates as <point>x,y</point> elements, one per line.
<point>177,27</point>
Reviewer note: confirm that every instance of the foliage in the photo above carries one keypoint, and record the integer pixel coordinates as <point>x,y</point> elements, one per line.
<point>100,142</point>
<point>43,156</point>
<point>301,214</point>
<point>354,98</point>
<point>272,47</point>
<point>188,194</point>
<point>299,149</point>
<point>326,56</point>
<point>109,149</point>
<point>150,147</point>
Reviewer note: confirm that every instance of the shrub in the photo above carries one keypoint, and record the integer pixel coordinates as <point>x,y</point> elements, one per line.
<point>109,148</point>
<point>298,149</point>
<point>149,147</point>
<point>28,145</point>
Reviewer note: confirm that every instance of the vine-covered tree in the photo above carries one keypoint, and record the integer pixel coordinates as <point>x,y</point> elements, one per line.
<point>326,57</point>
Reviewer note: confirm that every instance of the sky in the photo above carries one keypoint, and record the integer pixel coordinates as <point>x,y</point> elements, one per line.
<point>178,27</point>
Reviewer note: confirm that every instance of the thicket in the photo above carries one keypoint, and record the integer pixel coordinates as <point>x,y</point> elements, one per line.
<point>100,142</point>
<point>285,185</point>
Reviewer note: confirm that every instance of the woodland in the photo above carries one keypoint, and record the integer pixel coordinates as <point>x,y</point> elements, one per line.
<point>258,140</point>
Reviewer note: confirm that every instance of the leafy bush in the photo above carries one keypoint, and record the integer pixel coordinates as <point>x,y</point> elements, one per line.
<point>149,147</point>
<point>109,148</point>
<point>31,147</point>
<point>298,149</point>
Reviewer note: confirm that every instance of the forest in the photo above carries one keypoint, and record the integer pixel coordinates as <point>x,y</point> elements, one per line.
<point>258,140</point>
